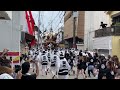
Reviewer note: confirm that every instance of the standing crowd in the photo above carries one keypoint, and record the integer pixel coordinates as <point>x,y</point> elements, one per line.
<point>61,64</point>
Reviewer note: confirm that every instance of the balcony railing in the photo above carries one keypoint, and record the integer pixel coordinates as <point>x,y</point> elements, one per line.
<point>108,31</point>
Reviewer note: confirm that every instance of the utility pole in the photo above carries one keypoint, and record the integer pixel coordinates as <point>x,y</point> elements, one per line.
<point>74,28</point>
<point>39,32</point>
<point>38,28</point>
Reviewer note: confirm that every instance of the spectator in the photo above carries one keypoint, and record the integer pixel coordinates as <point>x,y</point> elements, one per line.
<point>91,67</point>
<point>116,63</point>
<point>103,25</point>
<point>25,71</point>
<point>95,58</point>
<point>102,71</point>
<point>110,71</point>
<point>89,57</point>
<point>6,72</point>
<point>81,67</point>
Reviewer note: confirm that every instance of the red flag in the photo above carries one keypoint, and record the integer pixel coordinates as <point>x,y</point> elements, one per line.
<point>29,26</point>
<point>32,22</point>
<point>33,42</point>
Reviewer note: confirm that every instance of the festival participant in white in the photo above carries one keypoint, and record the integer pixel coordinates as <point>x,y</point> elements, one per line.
<point>54,64</point>
<point>49,54</point>
<point>44,62</point>
<point>63,68</point>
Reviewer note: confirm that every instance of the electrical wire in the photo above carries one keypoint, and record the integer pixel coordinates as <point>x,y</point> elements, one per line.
<point>60,21</point>
<point>53,19</point>
<point>59,17</point>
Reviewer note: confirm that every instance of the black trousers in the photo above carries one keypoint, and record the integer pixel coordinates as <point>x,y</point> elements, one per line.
<point>90,71</point>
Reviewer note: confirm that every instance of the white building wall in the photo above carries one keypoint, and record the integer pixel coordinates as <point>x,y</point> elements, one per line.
<point>100,16</point>
<point>5,34</point>
<point>93,20</point>
<point>102,43</point>
<point>9,14</point>
<point>10,32</point>
<point>23,21</point>
<point>16,32</point>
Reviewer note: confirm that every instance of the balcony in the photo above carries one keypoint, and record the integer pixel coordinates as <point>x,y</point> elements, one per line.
<point>108,31</point>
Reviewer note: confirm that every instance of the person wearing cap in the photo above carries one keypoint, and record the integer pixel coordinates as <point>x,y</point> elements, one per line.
<point>64,68</point>
<point>54,64</point>
<point>44,62</point>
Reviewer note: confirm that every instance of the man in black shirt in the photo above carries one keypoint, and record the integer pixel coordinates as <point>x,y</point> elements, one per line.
<point>103,25</point>
<point>25,70</point>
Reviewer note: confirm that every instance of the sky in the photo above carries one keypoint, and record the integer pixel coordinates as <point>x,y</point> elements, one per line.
<point>46,17</point>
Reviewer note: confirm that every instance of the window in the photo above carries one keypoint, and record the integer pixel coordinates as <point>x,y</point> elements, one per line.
<point>116,19</point>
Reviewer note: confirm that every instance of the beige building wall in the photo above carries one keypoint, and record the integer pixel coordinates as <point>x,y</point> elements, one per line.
<point>68,28</point>
<point>116,46</point>
<point>68,25</point>
<point>81,23</point>
<point>110,13</point>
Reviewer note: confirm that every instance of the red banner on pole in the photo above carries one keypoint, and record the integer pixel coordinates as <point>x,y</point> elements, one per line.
<point>30,23</point>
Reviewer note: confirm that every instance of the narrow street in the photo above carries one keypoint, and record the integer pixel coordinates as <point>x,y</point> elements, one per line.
<point>89,40</point>
<point>49,76</point>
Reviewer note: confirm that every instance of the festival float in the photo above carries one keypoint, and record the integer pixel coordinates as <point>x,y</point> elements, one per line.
<point>50,41</point>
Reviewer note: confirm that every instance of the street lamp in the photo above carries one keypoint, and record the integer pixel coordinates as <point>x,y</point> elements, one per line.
<point>74,28</point>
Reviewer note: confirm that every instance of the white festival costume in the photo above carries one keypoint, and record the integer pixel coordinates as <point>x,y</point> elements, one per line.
<point>64,68</point>
<point>44,62</point>
<point>54,64</point>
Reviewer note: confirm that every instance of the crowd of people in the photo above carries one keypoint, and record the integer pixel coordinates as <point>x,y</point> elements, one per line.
<point>61,64</point>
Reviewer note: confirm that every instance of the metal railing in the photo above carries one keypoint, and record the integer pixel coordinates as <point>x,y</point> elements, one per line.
<point>108,31</point>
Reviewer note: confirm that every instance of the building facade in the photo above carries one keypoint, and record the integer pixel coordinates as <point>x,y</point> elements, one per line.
<point>93,20</point>
<point>107,40</point>
<point>10,30</point>
<point>12,24</point>
<point>79,25</point>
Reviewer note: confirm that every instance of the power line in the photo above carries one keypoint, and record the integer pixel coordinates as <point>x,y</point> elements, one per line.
<point>53,19</point>
<point>41,23</point>
<point>42,20</point>
<point>52,15</point>
<point>60,21</point>
<point>59,16</point>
